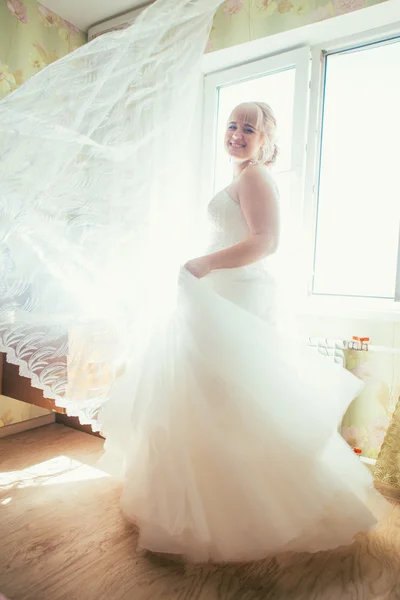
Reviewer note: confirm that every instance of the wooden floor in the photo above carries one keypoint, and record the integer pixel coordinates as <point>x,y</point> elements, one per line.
<point>62,538</point>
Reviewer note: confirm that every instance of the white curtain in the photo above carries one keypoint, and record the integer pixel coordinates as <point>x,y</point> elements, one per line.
<point>96,190</point>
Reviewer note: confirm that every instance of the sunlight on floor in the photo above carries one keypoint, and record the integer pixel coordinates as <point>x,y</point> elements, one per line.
<point>59,469</point>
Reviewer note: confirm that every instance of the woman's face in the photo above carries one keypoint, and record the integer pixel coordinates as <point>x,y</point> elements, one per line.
<point>243,137</point>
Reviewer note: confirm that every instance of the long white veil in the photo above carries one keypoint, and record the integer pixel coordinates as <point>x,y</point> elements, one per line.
<point>94,179</point>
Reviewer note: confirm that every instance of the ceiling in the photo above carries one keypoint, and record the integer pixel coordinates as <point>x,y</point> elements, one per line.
<point>85,13</point>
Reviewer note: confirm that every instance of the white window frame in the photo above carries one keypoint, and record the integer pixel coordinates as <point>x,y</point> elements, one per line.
<point>397,291</point>
<point>357,307</point>
<point>300,60</point>
<point>307,122</point>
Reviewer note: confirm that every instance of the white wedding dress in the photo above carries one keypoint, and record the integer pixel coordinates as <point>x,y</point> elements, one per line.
<point>227,433</point>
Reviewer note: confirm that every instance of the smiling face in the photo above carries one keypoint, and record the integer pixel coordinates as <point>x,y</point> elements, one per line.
<point>244,136</point>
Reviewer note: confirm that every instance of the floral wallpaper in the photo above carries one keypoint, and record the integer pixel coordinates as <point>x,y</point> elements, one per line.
<point>13,411</point>
<point>368,417</point>
<point>31,37</point>
<point>240,21</point>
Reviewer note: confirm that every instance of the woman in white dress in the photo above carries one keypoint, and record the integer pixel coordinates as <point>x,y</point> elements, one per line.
<point>228,438</point>
<point>250,141</point>
<point>224,430</point>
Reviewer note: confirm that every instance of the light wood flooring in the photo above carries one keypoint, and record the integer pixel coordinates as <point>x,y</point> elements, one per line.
<point>62,538</point>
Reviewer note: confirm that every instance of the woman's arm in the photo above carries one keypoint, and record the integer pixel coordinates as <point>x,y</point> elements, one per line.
<point>258,199</point>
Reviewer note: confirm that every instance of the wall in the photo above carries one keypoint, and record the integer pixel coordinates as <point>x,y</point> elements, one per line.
<point>369,415</point>
<point>12,411</point>
<point>31,37</point>
<point>240,21</point>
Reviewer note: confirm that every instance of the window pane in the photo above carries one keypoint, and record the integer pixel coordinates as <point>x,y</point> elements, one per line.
<point>277,90</point>
<point>359,198</point>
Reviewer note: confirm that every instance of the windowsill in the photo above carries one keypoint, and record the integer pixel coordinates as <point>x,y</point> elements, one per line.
<point>351,308</point>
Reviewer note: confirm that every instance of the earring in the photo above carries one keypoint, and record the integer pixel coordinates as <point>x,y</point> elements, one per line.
<point>260,158</point>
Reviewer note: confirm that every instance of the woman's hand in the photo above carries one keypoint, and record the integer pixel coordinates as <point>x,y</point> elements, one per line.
<point>199,267</point>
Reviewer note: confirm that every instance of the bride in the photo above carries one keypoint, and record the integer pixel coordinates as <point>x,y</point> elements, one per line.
<point>229,438</point>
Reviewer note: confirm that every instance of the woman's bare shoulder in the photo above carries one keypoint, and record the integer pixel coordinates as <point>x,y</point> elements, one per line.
<point>257,177</point>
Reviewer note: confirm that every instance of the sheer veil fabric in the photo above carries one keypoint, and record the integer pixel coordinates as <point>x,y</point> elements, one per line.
<point>92,212</point>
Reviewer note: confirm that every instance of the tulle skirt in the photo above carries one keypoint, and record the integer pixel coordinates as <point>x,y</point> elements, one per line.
<point>226,433</point>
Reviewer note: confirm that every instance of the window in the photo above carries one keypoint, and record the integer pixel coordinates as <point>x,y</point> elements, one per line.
<point>277,89</point>
<point>358,211</point>
<point>349,162</point>
<point>281,81</point>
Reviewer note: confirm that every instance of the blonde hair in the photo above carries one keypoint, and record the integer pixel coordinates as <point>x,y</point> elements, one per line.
<point>269,151</point>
